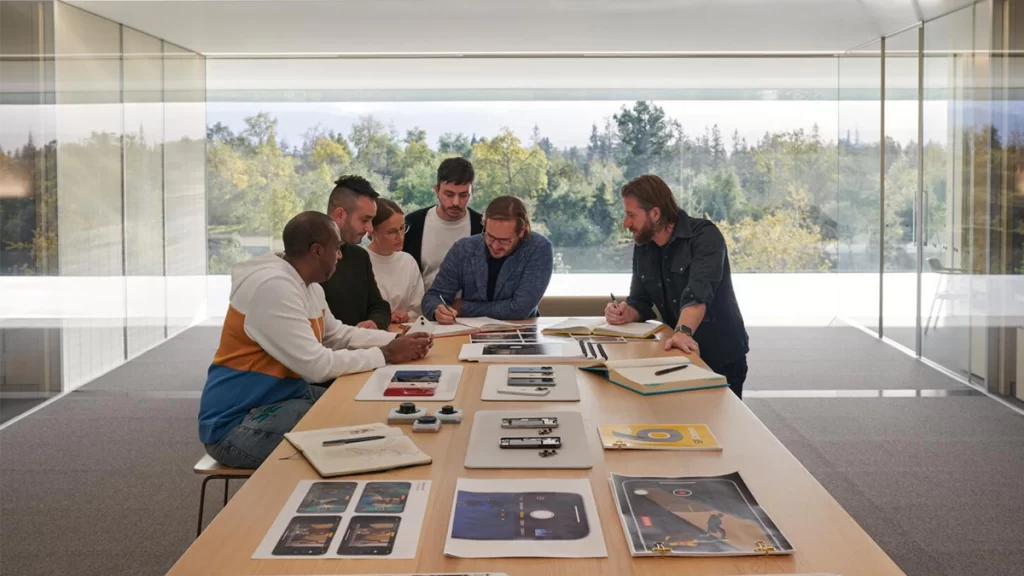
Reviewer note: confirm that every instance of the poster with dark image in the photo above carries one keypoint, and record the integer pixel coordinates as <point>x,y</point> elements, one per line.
<point>519,516</point>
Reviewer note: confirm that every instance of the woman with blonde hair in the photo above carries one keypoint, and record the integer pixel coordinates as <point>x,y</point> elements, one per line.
<point>398,275</point>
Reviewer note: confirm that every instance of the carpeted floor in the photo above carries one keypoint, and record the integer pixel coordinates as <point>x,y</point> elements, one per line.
<point>100,483</point>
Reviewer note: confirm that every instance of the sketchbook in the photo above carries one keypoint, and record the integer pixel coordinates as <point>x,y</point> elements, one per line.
<point>598,327</point>
<point>639,375</point>
<point>357,449</point>
<point>462,326</point>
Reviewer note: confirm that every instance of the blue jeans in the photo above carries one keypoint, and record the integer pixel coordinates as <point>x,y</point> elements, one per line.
<point>251,442</point>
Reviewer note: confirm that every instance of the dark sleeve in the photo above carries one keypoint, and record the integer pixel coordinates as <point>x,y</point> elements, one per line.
<point>638,297</point>
<point>414,237</point>
<point>377,308</point>
<point>706,268</point>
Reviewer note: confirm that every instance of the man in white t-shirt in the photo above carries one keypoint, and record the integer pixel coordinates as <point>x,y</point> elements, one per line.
<point>433,230</point>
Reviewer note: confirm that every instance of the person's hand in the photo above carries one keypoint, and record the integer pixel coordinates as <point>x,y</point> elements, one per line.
<point>683,342</point>
<point>445,314</point>
<point>399,316</point>
<point>367,324</point>
<point>621,313</point>
<point>407,348</point>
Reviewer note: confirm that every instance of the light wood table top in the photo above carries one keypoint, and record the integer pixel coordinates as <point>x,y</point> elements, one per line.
<point>825,537</point>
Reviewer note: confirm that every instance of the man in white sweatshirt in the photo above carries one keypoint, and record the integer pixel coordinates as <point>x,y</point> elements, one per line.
<point>279,336</point>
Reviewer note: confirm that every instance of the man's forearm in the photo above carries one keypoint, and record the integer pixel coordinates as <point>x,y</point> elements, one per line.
<point>692,316</point>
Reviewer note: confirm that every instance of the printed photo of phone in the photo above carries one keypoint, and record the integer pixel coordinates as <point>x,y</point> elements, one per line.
<point>383,497</point>
<point>370,536</point>
<point>327,497</point>
<point>519,516</point>
<point>307,536</point>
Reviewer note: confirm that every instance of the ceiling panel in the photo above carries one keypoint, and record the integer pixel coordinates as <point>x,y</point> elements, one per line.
<point>246,27</point>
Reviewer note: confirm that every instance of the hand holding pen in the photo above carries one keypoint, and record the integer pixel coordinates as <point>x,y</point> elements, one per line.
<point>445,314</point>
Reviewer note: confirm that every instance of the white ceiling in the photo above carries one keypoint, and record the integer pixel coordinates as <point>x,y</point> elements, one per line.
<point>303,27</point>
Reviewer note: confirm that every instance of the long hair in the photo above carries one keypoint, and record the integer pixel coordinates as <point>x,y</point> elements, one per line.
<point>651,192</point>
<point>509,208</point>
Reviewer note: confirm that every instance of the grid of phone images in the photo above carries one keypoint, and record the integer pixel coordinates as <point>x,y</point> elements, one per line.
<point>525,334</point>
<point>347,519</point>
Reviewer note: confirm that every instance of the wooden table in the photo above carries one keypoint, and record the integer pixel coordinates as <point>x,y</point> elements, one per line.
<point>825,537</point>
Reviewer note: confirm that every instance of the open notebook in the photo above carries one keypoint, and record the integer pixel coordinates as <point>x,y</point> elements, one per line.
<point>639,375</point>
<point>392,450</point>
<point>461,326</point>
<point>598,327</point>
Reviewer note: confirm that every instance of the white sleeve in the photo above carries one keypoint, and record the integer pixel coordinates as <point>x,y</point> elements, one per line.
<point>338,336</point>
<point>277,320</point>
<point>415,291</point>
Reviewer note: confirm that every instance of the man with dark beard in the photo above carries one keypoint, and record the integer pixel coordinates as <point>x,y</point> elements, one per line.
<point>681,266</point>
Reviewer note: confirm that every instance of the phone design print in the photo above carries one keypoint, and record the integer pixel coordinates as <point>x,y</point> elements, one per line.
<point>370,536</point>
<point>383,498</point>
<point>519,516</point>
<point>327,497</point>
<point>307,536</point>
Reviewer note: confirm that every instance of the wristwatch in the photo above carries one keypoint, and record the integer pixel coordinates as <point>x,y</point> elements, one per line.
<point>685,330</point>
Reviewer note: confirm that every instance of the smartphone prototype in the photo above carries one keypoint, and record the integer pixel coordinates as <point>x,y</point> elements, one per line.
<point>327,497</point>
<point>417,376</point>
<point>411,389</point>
<point>370,536</point>
<point>517,391</point>
<point>550,442</point>
<point>307,536</point>
<point>531,382</point>
<point>545,370</point>
<point>529,423</point>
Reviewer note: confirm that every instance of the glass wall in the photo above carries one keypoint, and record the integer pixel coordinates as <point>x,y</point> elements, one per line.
<point>102,196</point>
<point>749,143</point>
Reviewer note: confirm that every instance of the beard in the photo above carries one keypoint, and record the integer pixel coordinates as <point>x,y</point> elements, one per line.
<point>644,235</point>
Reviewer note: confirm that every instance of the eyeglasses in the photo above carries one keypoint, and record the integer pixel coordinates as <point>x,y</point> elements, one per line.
<point>501,242</point>
<point>396,233</point>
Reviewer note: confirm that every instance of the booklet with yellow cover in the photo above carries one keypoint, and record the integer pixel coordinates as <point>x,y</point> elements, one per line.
<point>658,437</point>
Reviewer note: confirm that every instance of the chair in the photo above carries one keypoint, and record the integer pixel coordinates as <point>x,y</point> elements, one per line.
<point>214,470</point>
<point>942,295</point>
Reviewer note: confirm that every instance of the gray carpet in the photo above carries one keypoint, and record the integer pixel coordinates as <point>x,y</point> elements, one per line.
<point>936,481</point>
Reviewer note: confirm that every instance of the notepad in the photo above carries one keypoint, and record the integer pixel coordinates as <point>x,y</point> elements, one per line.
<point>598,327</point>
<point>462,326</point>
<point>394,450</point>
<point>639,375</point>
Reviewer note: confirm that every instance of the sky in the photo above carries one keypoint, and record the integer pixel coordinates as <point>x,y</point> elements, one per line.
<point>565,123</point>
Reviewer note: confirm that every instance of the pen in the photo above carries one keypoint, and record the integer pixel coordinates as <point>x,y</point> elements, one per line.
<point>614,301</point>
<point>668,370</point>
<point>352,440</point>
<point>450,309</point>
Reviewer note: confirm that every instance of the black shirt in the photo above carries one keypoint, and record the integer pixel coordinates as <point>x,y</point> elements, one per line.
<point>493,269</point>
<point>352,293</point>
<point>692,268</point>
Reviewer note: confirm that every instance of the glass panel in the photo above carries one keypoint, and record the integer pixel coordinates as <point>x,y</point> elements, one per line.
<point>143,186</point>
<point>858,246</point>
<point>945,279</point>
<point>184,186</point>
<point>899,285</point>
<point>89,179</point>
<point>30,367</point>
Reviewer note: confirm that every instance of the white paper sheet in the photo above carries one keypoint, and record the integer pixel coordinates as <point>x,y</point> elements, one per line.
<point>410,519</point>
<point>446,389</point>
<point>559,520</point>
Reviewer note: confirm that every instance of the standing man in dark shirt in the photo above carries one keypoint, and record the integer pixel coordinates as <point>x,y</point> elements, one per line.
<point>352,292</point>
<point>681,266</point>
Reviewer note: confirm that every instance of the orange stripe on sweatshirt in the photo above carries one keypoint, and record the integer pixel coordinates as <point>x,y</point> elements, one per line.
<point>239,352</point>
